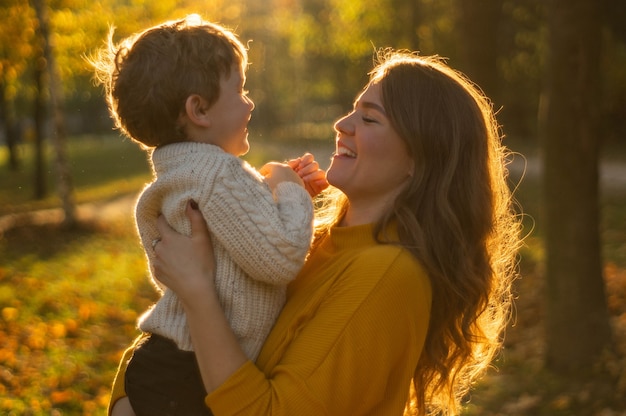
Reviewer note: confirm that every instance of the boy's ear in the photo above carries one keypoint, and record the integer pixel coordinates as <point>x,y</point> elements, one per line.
<point>196,110</point>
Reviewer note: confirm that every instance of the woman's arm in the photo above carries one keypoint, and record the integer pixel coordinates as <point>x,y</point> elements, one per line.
<point>352,351</point>
<point>186,258</point>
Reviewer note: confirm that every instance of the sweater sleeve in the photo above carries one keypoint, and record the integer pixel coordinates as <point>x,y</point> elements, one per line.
<point>268,238</point>
<point>354,353</point>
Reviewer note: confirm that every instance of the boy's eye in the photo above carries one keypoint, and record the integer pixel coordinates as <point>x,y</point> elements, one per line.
<point>368,120</point>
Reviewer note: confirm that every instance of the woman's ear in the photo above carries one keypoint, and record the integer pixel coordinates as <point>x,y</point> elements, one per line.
<point>197,110</point>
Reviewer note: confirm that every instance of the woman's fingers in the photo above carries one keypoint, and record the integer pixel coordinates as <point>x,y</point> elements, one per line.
<point>182,262</point>
<point>294,163</point>
<point>313,177</point>
<point>308,169</point>
<point>163,227</point>
<point>199,228</point>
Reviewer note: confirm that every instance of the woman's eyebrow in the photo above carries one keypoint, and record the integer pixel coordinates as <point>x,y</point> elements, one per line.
<point>371,105</point>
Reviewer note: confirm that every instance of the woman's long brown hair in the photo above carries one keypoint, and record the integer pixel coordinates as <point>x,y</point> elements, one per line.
<point>456,216</point>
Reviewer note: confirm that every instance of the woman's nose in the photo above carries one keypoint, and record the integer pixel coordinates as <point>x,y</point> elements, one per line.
<point>343,125</point>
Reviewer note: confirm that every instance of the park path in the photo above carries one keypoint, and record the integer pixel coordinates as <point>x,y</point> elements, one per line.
<point>612,177</point>
<point>108,210</point>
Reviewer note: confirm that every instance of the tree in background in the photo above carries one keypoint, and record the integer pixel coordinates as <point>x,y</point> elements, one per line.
<point>614,76</point>
<point>577,317</point>
<point>39,117</point>
<point>15,47</point>
<point>55,89</point>
<point>479,29</point>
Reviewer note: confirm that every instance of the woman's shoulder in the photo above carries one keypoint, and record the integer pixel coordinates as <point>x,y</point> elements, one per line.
<point>390,265</point>
<point>385,277</point>
<point>388,253</point>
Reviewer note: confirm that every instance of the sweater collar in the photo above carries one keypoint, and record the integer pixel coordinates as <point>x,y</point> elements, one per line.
<point>174,150</point>
<point>356,237</point>
<point>351,237</point>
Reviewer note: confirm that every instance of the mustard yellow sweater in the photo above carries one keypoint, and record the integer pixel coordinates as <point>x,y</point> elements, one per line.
<point>347,341</point>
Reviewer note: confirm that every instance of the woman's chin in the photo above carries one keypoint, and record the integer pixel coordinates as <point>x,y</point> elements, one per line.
<point>334,177</point>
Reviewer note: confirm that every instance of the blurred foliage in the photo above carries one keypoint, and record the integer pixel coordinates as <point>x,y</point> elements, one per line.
<point>309,57</point>
<point>69,303</point>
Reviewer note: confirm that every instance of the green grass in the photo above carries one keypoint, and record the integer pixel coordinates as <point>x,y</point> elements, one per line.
<point>102,167</point>
<point>69,299</point>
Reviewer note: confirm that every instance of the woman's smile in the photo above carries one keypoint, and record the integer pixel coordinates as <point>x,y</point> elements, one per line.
<point>342,150</point>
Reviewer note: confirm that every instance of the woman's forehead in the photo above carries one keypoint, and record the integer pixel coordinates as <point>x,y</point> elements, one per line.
<point>370,98</point>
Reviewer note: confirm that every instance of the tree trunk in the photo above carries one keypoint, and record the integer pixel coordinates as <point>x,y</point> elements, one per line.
<point>39,119</point>
<point>407,18</point>
<point>414,24</point>
<point>56,98</point>
<point>479,33</point>
<point>577,315</point>
<point>11,128</point>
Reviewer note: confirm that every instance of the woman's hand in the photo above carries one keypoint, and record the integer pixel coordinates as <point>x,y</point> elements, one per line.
<point>185,264</point>
<point>309,170</point>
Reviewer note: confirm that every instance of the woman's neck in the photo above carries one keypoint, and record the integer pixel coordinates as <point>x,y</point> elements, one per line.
<point>368,208</point>
<point>360,214</point>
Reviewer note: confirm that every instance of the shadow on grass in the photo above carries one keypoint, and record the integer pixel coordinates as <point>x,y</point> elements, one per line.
<point>44,240</point>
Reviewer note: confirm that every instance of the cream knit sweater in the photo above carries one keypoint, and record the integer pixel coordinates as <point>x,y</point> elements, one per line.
<point>260,238</point>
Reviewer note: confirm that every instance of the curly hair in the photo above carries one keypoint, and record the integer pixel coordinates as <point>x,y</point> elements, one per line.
<point>456,216</point>
<point>149,75</point>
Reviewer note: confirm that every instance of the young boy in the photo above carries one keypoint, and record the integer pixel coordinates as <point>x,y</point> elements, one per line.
<point>178,90</point>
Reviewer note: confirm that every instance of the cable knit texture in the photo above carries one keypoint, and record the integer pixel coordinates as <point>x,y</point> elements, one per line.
<point>260,238</point>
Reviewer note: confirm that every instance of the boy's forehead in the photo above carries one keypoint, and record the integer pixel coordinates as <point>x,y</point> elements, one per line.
<point>236,74</point>
<point>239,71</point>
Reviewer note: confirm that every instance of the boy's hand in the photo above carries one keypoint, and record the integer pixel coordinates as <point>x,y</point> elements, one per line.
<point>309,170</point>
<point>276,173</point>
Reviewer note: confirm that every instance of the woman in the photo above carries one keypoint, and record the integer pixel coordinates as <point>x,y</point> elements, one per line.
<point>407,283</point>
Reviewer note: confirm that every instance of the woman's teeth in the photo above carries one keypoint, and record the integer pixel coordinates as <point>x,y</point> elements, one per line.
<point>342,151</point>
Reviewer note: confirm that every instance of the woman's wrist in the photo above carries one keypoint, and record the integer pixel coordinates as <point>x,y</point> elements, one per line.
<point>217,349</point>
<point>197,290</point>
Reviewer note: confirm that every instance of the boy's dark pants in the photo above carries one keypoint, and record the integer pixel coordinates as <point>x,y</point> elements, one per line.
<point>162,380</point>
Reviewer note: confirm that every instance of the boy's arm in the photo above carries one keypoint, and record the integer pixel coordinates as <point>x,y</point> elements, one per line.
<point>275,173</point>
<point>267,237</point>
